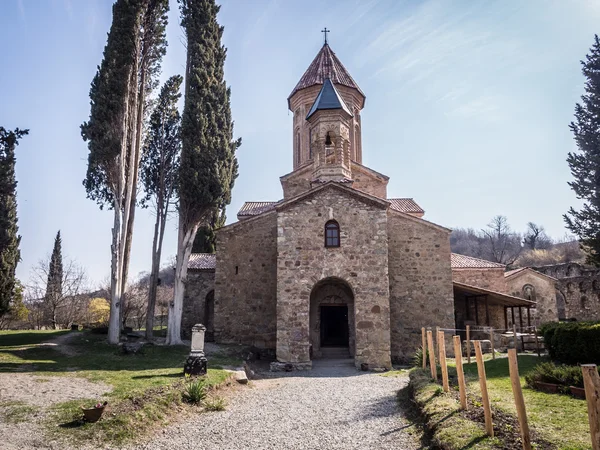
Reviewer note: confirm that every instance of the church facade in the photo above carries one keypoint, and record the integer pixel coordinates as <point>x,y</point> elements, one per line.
<point>335,268</point>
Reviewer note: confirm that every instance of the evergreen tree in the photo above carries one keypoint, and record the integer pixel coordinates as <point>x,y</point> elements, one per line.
<point>54,288</point>
<point>159,169</point>
<point>208,164</point>
<point>135,45</point>
<point>9,239</point>
<point>585,163</point>
<point>205,241</point>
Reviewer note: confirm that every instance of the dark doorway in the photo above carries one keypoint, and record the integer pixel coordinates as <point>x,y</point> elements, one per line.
<point>334,326</point>
<point>209,317</point>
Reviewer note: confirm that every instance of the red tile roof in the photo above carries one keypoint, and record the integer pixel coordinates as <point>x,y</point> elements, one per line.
<point>325,65</point>
<point>468,262</point>
<point>202,261</point>
<point>250,209</point>
<point>405,205</point>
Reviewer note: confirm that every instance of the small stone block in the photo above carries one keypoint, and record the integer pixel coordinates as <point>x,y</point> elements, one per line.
<point>195,365</point>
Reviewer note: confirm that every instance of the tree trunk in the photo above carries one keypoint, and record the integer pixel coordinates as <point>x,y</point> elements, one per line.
<point>153,278</point>
<point>114,323</point>
<point>184,250</point>
<point>136,148</point>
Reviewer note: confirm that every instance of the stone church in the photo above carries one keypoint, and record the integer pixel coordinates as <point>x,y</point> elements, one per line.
<point>335,268</point>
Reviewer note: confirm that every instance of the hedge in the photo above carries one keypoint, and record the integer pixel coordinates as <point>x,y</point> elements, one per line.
<point>573,342</point>
<point>548,372</point>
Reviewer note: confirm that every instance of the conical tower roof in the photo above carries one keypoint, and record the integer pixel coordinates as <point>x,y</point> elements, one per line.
<point>325,65</point>
<point>328,98</point>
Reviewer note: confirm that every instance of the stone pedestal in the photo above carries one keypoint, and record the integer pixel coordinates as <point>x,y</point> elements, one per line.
<point>196,362</point>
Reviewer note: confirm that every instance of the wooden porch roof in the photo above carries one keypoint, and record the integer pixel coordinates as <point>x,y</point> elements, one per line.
<point>493,296</point>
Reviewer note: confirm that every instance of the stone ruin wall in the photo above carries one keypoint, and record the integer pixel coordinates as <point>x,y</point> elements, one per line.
<point>421,292</point>
<point>246,283</point>
<point>577,290</point>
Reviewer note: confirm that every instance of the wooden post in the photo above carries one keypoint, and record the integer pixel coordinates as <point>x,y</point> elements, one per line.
<point>442,345</point>
<point>437,340</point>
<point>512,311</point>
<point>506,318</point>
<point>492,341</point>
<point>468,344</point>
<point>537,341</point>
<point>462,387</point>
<point>515,381</point>
<point>487,312</point>
<point>515,335</point>
<point>431,355</point>
<point>591,383</point>
<point>424,347</point>
<point>521,318</point>
<point>529,316</point>
<point>487,411</point>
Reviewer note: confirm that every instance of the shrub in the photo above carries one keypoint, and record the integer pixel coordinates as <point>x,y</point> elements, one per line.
<point>195,391</point>
<point>549,372</point>
<point>573,342</point>
<point>215,404</point>
<point>417,360</point>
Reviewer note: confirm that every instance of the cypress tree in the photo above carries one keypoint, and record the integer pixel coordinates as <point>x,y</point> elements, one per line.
<point>208,164</point>
<point>130,64</point>
<point>54,288</point>
<point>585,162</point>
<point>9,239</point>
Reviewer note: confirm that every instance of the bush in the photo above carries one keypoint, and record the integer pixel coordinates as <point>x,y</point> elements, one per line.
<point>550,373</point>
<point>195,391</point>
<point>215,404</point>
<point>573,342</point>
<point>417,360</point>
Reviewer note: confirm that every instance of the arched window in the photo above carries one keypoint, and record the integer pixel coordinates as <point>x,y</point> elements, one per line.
<point>529,292</point>
<point>332,234</point>
<point>298,155</point>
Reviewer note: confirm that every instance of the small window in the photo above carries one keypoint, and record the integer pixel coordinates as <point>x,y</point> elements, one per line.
<point>332,234</point>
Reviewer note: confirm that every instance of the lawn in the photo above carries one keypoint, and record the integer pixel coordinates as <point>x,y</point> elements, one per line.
<point>557,418</point>
<point>146,389</point>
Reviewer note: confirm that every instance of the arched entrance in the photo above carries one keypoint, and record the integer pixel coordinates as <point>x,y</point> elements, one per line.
<point>332,330</point>
<point>209,316</point>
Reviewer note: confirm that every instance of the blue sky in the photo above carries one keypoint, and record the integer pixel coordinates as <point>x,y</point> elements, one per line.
<point>468,106</point>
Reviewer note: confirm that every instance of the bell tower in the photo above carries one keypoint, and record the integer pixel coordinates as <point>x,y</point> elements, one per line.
<point>325,66</point>
<point>329,122</point>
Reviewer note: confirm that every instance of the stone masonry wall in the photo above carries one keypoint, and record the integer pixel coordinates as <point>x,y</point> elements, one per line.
<point>544,295</point>
<point>361,261</point>
<point>491,279</point>
<point>199,284</point>
<point>369,183</point>
<point>246,282</point>
<point>421,292</point>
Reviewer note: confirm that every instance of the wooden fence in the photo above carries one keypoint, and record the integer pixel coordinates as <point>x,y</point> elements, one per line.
<point>591,381</point>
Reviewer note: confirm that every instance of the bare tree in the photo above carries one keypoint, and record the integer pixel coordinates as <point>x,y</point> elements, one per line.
<point>502,244</point>
<point>60,305</point>
<point>536,237</point>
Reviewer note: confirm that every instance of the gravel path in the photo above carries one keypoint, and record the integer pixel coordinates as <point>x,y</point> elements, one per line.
<point>331,407</point>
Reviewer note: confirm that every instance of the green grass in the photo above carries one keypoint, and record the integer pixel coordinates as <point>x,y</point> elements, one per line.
<point>145,389</point>
<point>557,418</point>
<point>450,430</point>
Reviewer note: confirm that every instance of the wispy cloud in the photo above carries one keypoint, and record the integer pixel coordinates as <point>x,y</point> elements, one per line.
<point>22,10</point>
<point>446,53</point>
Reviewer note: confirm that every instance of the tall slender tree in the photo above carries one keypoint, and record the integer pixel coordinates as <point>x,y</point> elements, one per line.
<point>585,162</point>
<point>159,168</point>
<point>54,288</point>
<point>135,45</point>
<point>9,239</point>
<point>208,165</point>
